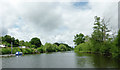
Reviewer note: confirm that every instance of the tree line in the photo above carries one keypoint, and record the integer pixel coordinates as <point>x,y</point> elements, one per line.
<point>32,46</point>
<point>100,41</point>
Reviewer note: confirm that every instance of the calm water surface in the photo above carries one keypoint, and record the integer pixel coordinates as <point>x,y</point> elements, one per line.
<point>60,60</point>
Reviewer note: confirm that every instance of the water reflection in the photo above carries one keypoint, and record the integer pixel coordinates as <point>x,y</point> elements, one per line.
<point>96,61</point>
<point>60,60</point>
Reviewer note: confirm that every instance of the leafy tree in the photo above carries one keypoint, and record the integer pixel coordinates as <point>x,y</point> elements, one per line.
<point>118,42</point>
<point>40,49</point>
<point>7,38</point>
<point>100,30</point>
<point>49,47</point>
<point>36,41</point>
<point>79,38</point>
<point>16,43</point>
<point>57,44</point>
<point>27,44</point>
<point>21,43</point>
<point>62,47</point>
<point>118,36</point>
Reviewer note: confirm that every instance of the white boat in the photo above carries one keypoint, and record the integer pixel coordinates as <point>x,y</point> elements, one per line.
<point>18,53</point>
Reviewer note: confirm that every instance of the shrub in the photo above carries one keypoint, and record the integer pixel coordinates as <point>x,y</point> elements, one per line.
<point>62,47</point>
<point>6,50</point>
<point>33,46</point>
<point>49,47</point>
<point>40,49</point>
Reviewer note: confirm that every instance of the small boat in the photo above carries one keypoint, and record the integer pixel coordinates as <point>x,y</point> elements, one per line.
<point>18,53</point>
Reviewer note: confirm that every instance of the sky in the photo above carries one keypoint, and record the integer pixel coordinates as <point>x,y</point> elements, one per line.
<point>53,20</point>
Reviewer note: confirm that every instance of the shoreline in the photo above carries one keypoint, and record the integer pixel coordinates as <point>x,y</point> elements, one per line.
<point>7,55</point>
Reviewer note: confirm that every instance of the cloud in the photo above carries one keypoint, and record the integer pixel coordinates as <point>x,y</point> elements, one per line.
<point>3,31</point>
<point>53,21</point>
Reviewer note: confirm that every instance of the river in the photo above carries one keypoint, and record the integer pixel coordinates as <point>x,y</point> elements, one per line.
<point>68,59</point>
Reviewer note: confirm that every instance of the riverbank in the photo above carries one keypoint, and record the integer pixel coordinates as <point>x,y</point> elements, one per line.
<point>7,55</point>
<point>43,49</point>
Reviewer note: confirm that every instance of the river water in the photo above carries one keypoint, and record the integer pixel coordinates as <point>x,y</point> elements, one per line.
<point>68,59</point>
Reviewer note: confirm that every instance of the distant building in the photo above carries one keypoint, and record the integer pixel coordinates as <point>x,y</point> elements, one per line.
<point>22,46</point>
<point>2,46</point>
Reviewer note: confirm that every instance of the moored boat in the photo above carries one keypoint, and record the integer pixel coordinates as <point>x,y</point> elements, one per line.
<point>18,53</point>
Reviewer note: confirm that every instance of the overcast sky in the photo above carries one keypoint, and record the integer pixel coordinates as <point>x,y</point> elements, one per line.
<point>54,21</point>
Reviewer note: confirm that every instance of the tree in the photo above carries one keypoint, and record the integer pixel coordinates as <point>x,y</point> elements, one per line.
<point>21,43</point>
<point>100,30</point>
<point>79,38</point>
<point>27,44</point>
<point>118,41</point>
<point>36,41</point>
<point>100,37</point>
<point>57,44</point>
<point>118,36</point>
<point>16,43</point>
<point>62,47</point>
<point>49,47</point>
<point>7,38</point>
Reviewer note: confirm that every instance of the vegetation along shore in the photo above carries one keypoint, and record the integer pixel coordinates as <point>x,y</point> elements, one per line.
<point>100,42</point>
<point>34,46</point>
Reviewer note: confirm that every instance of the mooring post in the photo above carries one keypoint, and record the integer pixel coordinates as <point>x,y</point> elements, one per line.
<point>11,47</point>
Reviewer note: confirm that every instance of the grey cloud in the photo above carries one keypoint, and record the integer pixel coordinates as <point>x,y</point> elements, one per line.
<point>42,16</point>
<point>3,30</point>
<point>47,20</point>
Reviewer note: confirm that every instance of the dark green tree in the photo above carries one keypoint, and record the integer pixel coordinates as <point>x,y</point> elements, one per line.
<point>36,41</point>
<point>7,38</point>
<point>16,43</point>
<point>79,38</point>
<point>57,44</point>
<point>118,43</point>
<point>118,36</point>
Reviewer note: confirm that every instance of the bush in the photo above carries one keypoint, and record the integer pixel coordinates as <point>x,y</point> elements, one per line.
<point>33,46</point>
<point>40,50</point>
<point>6,50</point>
<point>27,50</point>
<point>84,47</point>
<point>15,49</point>
<point>49,47</point>
<point>56,48</point>
<point>62,47</point>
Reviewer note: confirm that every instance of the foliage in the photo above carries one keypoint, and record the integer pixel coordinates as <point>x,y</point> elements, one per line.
<point>79,38</point>
<point>49,47</point>
<point>100,41</point>
<point>6,50</point>
<point>118,40</point>
<point>7,40</point>
<point>62,47</point>
<point>32,47</point>
<point>36,41</point>
<point>40,50</point>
